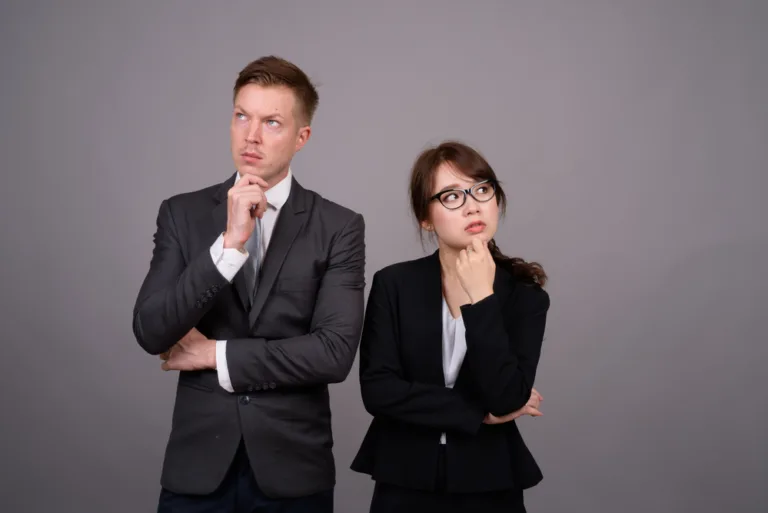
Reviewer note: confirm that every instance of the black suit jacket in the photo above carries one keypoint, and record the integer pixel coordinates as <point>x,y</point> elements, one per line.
<point>402,383</point>
<point>300,335</point>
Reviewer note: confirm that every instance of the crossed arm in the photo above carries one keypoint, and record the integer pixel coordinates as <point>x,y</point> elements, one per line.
<point>504,380</point>
<point>176,295</point>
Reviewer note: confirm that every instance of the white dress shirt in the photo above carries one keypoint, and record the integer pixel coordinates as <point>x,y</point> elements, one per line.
<point>229,261</point>
<point>454,348</point>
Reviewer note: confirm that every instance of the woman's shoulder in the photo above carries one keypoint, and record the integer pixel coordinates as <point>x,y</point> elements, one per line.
<point>525,295</point>
<point>405,269</point>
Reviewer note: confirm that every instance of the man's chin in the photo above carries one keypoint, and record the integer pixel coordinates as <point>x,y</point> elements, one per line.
<point>250,169</point>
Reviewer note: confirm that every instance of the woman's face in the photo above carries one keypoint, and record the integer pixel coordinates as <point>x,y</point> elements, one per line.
<point>456,227</point>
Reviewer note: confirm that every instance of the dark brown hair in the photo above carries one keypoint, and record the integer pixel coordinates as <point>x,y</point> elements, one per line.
<point>469,162</point>
<point>275,71</point>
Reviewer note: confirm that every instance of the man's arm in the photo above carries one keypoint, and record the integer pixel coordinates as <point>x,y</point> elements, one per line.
<point>325,354</point>
<point>174,295</point>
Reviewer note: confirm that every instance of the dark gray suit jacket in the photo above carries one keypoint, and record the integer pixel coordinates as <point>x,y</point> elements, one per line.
<point>301,334</point>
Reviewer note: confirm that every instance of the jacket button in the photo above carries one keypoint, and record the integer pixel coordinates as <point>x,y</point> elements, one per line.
<point>272,385</point>
<point>250,388</point>
<point>245,399</point>
<point>257,387</point>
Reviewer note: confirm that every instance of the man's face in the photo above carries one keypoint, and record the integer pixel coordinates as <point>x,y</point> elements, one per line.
<point>266,131</point>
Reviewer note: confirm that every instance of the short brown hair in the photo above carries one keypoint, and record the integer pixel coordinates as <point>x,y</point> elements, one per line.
<point>275,71</point>
<point>471,163</point>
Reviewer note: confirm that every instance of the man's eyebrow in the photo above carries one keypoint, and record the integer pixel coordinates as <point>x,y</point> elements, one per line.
<point>274,115</point>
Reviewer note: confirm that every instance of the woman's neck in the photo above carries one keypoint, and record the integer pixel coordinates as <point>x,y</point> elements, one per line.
<point>448,257</point>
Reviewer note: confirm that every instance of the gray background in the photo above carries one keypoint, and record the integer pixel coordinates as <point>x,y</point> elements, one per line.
<point>632,139</point>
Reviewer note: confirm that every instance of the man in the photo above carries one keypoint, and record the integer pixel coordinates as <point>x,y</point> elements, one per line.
<point>255,294</point>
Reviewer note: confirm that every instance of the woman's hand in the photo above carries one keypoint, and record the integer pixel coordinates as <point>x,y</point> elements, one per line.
<point>476,270</point>
<point>531,408</point>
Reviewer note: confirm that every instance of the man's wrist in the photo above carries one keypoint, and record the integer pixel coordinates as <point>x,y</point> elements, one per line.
<point>211,354</point>
<point>230,244</point>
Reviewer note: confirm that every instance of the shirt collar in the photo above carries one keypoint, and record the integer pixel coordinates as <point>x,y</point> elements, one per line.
<point>278,194</point>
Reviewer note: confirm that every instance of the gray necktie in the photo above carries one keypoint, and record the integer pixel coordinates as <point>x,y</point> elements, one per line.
<point>251,268</point>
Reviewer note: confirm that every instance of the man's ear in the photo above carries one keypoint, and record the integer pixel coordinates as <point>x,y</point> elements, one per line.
<point>304,134</point>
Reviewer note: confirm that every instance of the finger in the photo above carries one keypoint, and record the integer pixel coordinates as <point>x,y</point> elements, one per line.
<point>256,206</point>
<point>248,197</point>
<point>251,179</point>
<point>247,189</point>
<point>533,412</point>
<point>261,208</point>
<point>477,246</point>
<point>486,247</point>
<point>251,196</point>
<point>164,356</point>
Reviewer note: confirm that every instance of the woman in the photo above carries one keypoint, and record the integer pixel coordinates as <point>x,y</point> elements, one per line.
<point>449,352</point>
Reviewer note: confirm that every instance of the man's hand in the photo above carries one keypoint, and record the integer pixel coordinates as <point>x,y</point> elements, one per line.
<point>245,202</point>
<point>193,352</point>
<point>531,408</point>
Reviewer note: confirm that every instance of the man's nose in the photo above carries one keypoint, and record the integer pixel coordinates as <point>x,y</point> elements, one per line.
<point>254,133</point>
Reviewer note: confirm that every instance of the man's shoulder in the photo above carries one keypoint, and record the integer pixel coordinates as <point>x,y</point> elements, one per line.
<point>332,210</point>
<point>194,202</point>
<point>194,197</point>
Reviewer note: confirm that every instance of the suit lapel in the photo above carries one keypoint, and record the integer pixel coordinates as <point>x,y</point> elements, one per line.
<point>220,224</point>
<point>289,222</point>
<point>431,297</point>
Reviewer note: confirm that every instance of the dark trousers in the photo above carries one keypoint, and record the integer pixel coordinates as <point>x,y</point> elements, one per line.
<point>239,493</point>
<point>388,498</point>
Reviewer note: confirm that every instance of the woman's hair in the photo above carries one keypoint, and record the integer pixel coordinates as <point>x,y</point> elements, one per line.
<point>469,162</point>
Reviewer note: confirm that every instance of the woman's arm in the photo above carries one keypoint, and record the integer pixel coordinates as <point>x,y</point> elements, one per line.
<point>503,361</point>
<point>386,393</point>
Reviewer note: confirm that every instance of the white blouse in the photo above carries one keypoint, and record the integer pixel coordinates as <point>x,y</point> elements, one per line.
<point>454,348</point>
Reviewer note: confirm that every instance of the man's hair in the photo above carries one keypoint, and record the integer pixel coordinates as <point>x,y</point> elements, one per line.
<point>275,71</point>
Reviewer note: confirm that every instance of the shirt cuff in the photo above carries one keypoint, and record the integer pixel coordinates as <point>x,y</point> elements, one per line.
<point>227,260</point>
<point>221,366</point>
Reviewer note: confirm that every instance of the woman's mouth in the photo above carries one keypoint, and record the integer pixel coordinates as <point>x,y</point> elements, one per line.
<point>475,227</point>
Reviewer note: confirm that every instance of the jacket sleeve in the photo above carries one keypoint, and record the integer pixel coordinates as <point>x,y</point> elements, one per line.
<point>175,294</point>
<point>386,393</point>
<point>503,356</point>
<point>324,355</point>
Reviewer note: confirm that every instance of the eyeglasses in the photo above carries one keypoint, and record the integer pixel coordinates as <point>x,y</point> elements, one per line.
<point>455,198</point>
